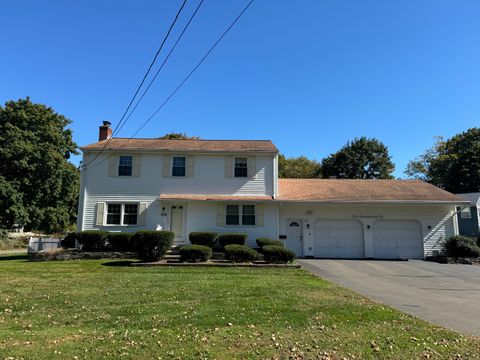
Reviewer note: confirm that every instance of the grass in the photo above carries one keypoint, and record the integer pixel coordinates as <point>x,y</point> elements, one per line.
<point>86,309</point>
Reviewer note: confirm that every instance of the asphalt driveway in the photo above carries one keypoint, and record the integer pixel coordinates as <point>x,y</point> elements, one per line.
<point>448,295</point>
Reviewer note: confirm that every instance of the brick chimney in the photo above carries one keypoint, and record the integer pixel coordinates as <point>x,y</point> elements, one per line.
<point>104,131</point>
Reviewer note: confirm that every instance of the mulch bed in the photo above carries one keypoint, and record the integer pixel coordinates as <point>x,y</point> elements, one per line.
<point>453,260</point>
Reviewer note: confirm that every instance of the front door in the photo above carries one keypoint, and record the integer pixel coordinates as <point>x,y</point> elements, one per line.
<point>176,222</point>
<point>294,237</point>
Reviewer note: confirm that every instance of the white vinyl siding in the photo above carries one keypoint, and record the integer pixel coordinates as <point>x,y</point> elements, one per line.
<point>202,216</point>
<point>435,220</point>
<point>205,175</point>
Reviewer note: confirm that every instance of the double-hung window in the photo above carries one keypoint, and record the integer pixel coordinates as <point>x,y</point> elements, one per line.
<point>178,166</point>
<point>241,167</point>
<point>122,214</point>
<point>125,164</point>
<point>233,215</point>
<point>248,214</point>
<point>240,215</point>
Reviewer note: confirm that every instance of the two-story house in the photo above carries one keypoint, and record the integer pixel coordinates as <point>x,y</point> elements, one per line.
<point>233,186</point>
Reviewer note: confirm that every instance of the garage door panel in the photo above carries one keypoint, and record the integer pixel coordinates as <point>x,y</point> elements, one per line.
<point>396,239</point>
<point>338,239</point>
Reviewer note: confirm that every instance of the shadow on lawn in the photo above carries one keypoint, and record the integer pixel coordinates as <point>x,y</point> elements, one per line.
<point>118,263</point>
<point>13,257</point>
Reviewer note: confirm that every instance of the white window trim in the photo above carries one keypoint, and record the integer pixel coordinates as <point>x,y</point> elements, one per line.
<point>122,213</point>
<point>240,215</point>
<point>233,167</point>
<point>171,167</point>
<point>131,166</point>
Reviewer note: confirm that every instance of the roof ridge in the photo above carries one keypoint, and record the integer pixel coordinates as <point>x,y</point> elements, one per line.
<point>120,138</point>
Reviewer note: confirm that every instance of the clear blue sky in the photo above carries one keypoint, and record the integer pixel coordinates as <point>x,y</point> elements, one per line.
<point>309,75</point>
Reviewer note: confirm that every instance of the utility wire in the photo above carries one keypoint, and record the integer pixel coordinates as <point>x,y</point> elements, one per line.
<point>181,83</point>
<point>116,129</point>
<point>163,64</point>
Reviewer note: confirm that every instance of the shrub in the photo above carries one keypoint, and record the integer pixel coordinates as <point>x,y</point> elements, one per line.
<point>152,245</point>
<point>3,234</point>
<point>68,242</point>
<point>229,239</point>
<point>91,239</point>
<point>195,253</point>
<point>203,238</point>
<point>261,242</point>
<point>240,253</point>
<point>121,241</point>
<point>277,254</point>
<point>461,246</point>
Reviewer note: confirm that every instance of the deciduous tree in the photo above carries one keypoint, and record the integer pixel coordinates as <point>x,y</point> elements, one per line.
<point>362,158</point>
<point>452,164</point>
<point>38,185</point>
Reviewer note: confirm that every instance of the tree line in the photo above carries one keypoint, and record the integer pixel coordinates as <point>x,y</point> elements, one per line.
<point>39,186</point>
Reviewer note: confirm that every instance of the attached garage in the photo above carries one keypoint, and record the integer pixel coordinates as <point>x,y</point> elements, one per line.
<point>397,239</point>
<point>338,238</point>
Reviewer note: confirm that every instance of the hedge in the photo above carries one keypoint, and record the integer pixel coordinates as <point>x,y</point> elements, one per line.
<point>91,239</point>
<point>152,245</point>
<point>261,242</point>
<point>462,246</point>
<point>121,241</point>
<point>68,242</point>
<point>229,239</point>
<point>240,253</point>
<point>195,253</point>
<point>203,238</point>
<point>277,254</point>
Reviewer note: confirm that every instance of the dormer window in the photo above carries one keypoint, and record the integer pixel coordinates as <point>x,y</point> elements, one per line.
<point>178,166</point>
<point>125,164</point>
<point>241,167</point>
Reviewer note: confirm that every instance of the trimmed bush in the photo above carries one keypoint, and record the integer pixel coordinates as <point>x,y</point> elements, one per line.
<point>121,241</point>
<point>261,242</point>
<point>91,239</point>
<point>229,239</point>
<point>203,238</point>
<point>152,245</point>
<point>240,253</point>
<point>277,254</point>
<point>68,241</point>
<point>195,253</point>
<point>462,246</point>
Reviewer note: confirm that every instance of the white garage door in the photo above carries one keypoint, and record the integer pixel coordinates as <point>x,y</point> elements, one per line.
<point>397,239</point>
<point>338,239</point>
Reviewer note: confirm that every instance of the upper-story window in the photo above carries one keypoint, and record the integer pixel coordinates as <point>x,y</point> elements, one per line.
<point>125,165</point>
<point>178,166</point>
<point>241,167</point>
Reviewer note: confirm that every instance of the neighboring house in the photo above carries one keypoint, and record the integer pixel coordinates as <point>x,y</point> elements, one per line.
<point>233,186</point>
<point>469,216</point>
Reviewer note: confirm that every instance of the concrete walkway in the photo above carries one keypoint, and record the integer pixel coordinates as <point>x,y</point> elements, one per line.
<point>448,295</point>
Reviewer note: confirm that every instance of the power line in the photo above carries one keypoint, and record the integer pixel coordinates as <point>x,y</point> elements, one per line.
<point>163,64</point>
<point>181,83</point>
<point>115,130</point>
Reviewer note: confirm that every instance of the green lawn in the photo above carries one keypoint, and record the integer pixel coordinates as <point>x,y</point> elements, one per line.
<point>83,309</point>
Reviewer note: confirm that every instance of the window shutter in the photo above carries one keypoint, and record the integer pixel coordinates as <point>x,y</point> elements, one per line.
<point>99,221</point>
<point>142,209</point>
<point>220,214</point>
<point>113,165</point>
<point>252,167</point>
<point>259,215</point>
<point>166,172</point>
<point>229,167</point>
<point>136,165</point>
<point>190,164</point>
